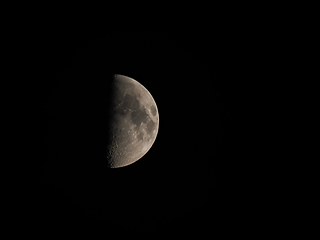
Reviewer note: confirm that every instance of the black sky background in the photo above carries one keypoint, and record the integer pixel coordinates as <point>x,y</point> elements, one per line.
<point>188,181</point>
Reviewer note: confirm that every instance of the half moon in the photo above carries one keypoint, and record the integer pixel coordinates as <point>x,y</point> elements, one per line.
<point>134,122</point>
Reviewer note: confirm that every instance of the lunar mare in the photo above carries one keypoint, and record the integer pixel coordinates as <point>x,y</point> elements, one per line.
<point>135,122</point>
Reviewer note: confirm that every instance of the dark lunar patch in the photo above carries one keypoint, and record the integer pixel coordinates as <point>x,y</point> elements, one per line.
<point>153,110</point>
<point>140,136</point>
<point>150,126</point>
<point>122,111</point>
<point>139,116</point>
<point>130,102</point>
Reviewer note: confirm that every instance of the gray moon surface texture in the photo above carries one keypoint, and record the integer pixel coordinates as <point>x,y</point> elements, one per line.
<point>134,122</point>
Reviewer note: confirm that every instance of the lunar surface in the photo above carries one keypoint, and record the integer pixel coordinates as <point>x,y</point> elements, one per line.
<point>134,122</point>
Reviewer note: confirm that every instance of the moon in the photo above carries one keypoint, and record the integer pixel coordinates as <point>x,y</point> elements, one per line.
<point>134,122</point>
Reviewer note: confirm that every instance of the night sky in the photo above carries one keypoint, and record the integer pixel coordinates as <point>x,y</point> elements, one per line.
<point>187,182</point>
